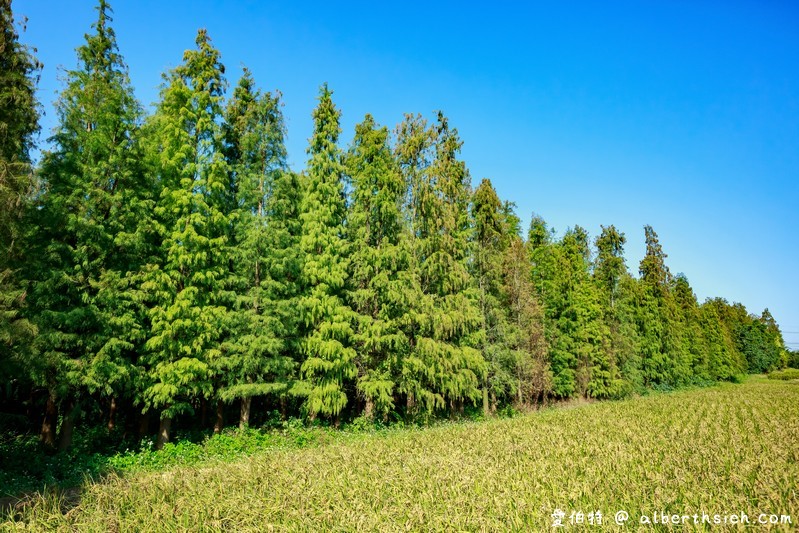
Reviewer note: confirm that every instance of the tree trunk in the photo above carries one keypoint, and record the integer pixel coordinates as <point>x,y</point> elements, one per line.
<point>163,432</point>
<point>29,406</point>
<point>486,407</point>
<point>220,417</point>
<point>68,426</point>
<point>203,413</point>
<point>50,420</point>
<point>409,407</point>
<point>112,414</point>
<point>369,409</point>
<point>144,424</point>
<point>244,419</point>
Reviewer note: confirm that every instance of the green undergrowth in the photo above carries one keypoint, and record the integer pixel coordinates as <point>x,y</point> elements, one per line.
<point>785,375</point>
<point>96,453</point>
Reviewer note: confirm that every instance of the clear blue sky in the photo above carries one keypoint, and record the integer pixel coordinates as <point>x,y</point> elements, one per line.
<point>679,114</point>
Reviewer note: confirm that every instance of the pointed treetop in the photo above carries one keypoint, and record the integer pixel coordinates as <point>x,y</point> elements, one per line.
<point>539,234</point>
<point>100,53</point>
<point>576,241</point>
<point>326,123</point>
<point>683,292</point>
<point>609,265</point>
<point>653,267</point>
<point>487,214</point>
<point>202,70</point>
<point>18,77</point>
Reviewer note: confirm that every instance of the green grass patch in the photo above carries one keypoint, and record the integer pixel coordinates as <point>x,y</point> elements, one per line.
<point>785,375</point>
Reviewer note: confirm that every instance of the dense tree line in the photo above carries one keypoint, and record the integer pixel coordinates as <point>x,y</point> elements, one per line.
<point>171,267</point>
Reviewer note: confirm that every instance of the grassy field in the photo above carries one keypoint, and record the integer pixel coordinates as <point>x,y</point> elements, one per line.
<point>724,450</point>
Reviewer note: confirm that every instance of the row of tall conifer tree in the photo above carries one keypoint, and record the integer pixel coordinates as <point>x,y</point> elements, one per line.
<point>171,264</point>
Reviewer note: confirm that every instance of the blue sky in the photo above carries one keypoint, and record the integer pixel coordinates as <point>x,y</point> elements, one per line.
<point>679,114</point>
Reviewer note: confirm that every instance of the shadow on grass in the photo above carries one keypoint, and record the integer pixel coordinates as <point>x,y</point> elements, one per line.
<point>31,475</point>
<point>29,472</point>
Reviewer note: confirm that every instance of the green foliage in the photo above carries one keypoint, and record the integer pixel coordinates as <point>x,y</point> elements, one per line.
<point>97,454</point>
<point>785,375</point>
<point>653,269</point>
<point>189,285</point>
<point>379,277</point>
<point>490,235</point>
<point>513,343</point>
<point>19,115</point>
<point>578,334</point>
<point>174,264</point>
<point>618,297</point>
<point>793,359</point>
<point>327,320</point>
<point>89,233</point>
<point>443,365</point>
<point>761,349</point>
<point>609,265</point>
<point>256,357</point>
<point>663,362</point>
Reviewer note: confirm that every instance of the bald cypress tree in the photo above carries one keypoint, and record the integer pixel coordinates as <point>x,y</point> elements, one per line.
<point>256,357</point>
<point>379,277</point>
<point>327,343</point>
<point>663,361</point>
<point>553,280</point>
<point>653,269</point>
<point>444,364</point>
<point>190,285</point>
<point>491,240</point>
<point>609,265</point>
<point>583,331</point>
<point>91,234</point>
<point>513,341</point>
<point>722,324</point>
<point>617,297</point>
<point>694,345</point>
<point>525,332</point>
<point>19,116</point>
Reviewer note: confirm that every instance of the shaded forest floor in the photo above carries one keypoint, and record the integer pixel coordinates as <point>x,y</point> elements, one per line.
<point>720,450</point>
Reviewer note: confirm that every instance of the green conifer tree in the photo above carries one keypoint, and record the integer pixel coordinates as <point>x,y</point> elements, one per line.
<point>694,345</point>
<point>662,359</point>
<point>256,357</point>
<point>19,123</point>
<point>492,236</point>
<point>328,321</point>
<point>584,332</point>
<point>721,325</point>
<point>190,284</point>
<point>616,289</point>
<point>379,277</point>
<point>443,364</point>
<point>90,237</point>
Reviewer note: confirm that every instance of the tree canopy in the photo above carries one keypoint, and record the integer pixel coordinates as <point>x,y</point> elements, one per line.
<point>158,267</point>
